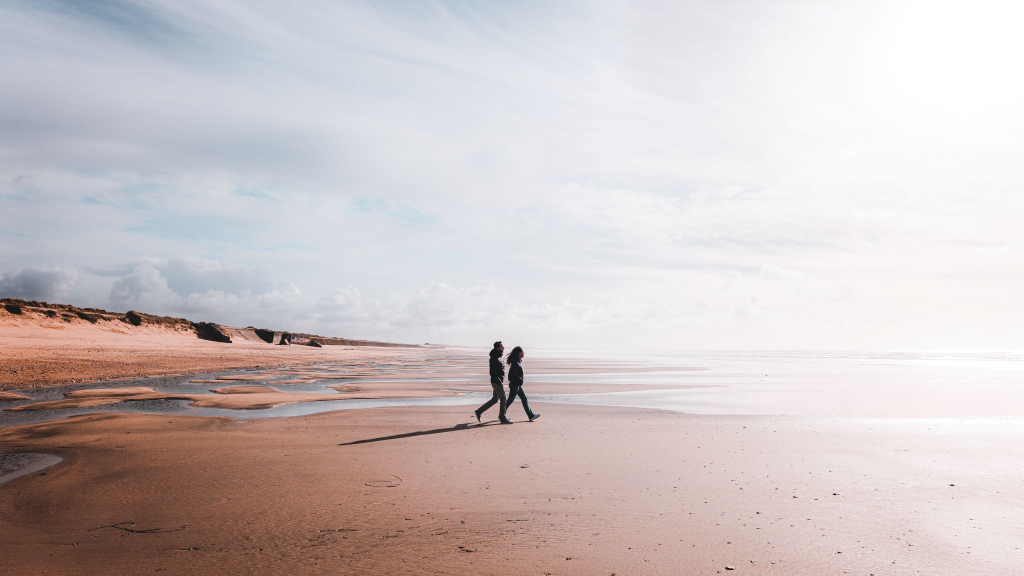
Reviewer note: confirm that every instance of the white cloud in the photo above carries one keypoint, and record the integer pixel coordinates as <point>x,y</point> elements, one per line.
<point>190,274</point>
<point>197,286</point>
<point>581,172</point>
<point>439,311</point>
<point>145,289</point>
<point>47,283</point>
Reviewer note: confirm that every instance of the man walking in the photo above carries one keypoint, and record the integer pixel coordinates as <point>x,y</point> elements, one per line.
<point>497,385</point>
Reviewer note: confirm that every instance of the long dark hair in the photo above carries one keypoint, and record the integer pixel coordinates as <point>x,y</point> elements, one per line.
<point>514,354</point>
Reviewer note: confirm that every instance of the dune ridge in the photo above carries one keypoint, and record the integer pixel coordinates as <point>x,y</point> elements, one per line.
<point>48,344</point>
<point>30,310</point>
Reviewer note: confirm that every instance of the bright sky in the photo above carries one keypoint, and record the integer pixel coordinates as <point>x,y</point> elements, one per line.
<point>743,174</point>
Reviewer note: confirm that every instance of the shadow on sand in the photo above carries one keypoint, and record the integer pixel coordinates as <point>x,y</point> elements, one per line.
<point>456,428</point>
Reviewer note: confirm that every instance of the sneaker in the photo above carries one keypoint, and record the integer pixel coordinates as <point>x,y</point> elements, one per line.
<point>506,421</point>
<point>534,417</point>
<point>477,414</point>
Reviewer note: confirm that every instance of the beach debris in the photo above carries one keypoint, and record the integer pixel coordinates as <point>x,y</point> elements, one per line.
<point>304,341</point>
<point>268,336</point>
<point>385,483</point>
<point>212,332</point>
<point>322,537</point>
<point>464,549</point>
<point>730,567</point>
<point>527,465</point>
<point>128,527</point>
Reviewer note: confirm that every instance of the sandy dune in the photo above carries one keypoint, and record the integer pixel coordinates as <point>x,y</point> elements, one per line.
<point>39,351</point>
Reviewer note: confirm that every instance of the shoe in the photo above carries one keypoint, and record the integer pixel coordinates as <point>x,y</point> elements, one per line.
<point>534,417</point>
<point>507,421</point>
<point>477,414</point>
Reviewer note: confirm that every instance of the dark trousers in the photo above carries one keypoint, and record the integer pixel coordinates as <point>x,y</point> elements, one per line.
<point>498,398</point>
<point>514,391</point>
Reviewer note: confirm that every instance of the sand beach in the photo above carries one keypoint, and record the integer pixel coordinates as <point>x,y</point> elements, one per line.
<point>419,489</point>
<point>585,490</point>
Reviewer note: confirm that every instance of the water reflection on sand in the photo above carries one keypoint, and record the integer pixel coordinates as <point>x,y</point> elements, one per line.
<point>831,384</point>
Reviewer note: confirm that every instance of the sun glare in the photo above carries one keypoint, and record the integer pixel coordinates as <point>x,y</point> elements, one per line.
<point>940,66</point>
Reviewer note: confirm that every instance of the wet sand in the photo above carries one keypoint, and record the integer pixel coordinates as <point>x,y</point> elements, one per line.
<point>9,396</point>
<point>16,464</point>
<point>584,490</point>
<point>426,490</point>
<point>340,374</point>
<point>263,397</point>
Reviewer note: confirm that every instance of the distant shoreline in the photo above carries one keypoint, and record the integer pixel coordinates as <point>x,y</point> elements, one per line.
<point>56,344</point>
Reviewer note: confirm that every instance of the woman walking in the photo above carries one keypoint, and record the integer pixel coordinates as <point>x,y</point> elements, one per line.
<point>515,381</point>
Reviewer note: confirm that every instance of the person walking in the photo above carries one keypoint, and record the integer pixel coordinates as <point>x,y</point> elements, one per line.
<point>497,370</point>
<point>515,382</point>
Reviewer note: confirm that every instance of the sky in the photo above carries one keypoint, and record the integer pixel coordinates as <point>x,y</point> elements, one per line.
<point>691,175</point>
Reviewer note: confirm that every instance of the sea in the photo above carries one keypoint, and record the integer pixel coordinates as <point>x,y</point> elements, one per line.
<point>795,383</point>
<point>857,384</point>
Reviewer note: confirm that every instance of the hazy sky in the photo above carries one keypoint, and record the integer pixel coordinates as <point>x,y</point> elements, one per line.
<point>718,174</point>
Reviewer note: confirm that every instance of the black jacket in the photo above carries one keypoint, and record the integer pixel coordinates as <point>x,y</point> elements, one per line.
<point>497,368</point>
<point>515,374</point>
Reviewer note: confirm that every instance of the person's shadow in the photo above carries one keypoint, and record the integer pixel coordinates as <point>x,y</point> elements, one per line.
<point>456,428</point>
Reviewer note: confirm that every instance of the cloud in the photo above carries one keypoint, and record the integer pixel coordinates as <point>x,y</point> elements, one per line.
<point>190,274</point>
<point>772,272</point>
<point>48,283</point>
<point>144,288</point>
<point>581,171</point>
<point>438,311</point>
<point>195,285</point>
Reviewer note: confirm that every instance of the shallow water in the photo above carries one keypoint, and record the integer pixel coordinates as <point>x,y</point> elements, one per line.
<point>186,384</point>
<point>863,384</point>
<point>16,464</point>
<point>957,385</point>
